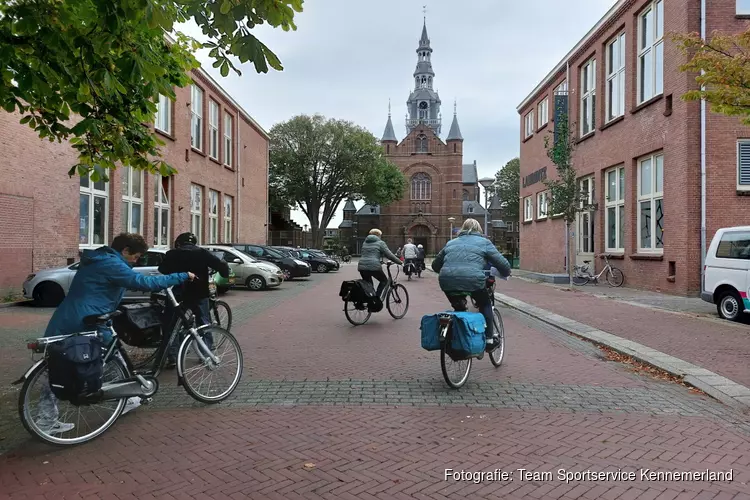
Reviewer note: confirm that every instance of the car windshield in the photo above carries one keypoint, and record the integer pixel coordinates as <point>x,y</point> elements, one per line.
<point>275,253</point>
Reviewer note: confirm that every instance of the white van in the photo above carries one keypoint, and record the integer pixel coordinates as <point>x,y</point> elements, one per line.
<point>727,272</point>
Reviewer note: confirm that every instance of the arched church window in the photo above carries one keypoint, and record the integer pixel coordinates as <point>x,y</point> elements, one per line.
<point>466,195</point>
<point>421,187</point>
<point>421,144</point>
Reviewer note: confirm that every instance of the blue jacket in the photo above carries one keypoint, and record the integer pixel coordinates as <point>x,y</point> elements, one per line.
<point>98,287</point>
<point>462,262</point>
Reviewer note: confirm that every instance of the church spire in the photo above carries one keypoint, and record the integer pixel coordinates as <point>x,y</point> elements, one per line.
<point>455,131</point>
<point>389,134</point>
<point>424,102</point>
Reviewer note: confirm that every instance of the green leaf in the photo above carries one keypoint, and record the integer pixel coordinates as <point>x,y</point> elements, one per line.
<point>26,119</point>
<point>226,6</point>
<point>225,69</point>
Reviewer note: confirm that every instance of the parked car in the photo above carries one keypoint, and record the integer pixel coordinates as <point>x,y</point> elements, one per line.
<point>50,286</point>
<point>292,267</point>
<point>318,261</point>
<point>223,285</point>
<point>251,272</point>
<point>726,280</point>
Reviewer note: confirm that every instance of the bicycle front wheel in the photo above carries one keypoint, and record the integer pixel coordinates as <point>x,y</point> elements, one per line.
<point>497,355</point>
<point>206,380</point>
<point>615,277</point>
<point>397,301</point>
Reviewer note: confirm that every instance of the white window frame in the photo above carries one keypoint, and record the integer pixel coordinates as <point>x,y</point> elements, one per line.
<point>92,193</point>
<point>196,211</point>
<point>213,217</point>
<point>541,205</point>
<point>228,208</point>
<point>562,88</point>
<point>228,143</point>
<point>421,187</point>
<point>587,189</point>
<point>129,201</point>
<point>651,197</point>
<point>543,112</point>
<point>528,209</point>
<point>163,118</point>
<point>616,77</point>
<point>743,153</point>
<point>743,8</point>
<point>618,203</point>
<point>529,124</point>
<point>161,204</point>
<point>213,129</point>
<point>196,117</point>
<point>651,48</point>
<point>588,97</point>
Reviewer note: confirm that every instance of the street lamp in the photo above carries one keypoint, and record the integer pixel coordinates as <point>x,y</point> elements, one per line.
<point>451,219</point>
<point>486,182</point>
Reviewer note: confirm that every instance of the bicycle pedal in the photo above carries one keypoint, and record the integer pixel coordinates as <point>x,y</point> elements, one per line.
<point>146,401</point>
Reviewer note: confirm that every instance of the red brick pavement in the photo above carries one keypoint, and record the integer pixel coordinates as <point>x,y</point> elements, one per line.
<point>723,349</point>
<point>346,453</point>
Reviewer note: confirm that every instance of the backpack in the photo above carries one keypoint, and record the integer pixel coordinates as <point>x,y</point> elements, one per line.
<point>467,332</point>
<point>75,367</point>
<point>140,325</point>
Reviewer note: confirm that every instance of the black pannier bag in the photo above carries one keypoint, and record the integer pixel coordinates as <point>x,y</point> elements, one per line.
<point>139,325</point>
<point>361,293</point>
<point>75,367</point>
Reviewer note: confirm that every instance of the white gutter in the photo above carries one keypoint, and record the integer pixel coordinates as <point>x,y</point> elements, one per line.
<point>703,158</point>
<point>570,54</point>
<point>239,178</point>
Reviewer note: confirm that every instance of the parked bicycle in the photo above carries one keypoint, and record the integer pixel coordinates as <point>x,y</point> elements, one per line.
<point>582,274</point>
<point>197,368</point>
<point>394,295</point>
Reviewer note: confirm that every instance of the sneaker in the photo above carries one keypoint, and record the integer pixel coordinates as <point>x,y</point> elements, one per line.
<point>492,343</point>
<point>56,428</point>
<point>131,404</point>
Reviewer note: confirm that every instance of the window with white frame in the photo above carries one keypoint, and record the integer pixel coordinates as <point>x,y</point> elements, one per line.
<point>588,97</point>
<point>196,211</point>
<point>743,7</point>
<point>93,212</point>
<point>541,205</point>
<point>161,211</point>
<point>228,201</point>
<point>163,118</point>
<point>562,88</point>
<point>615,209</point>
<point>421,187</point>
<point>743,164</point>
<point>213,130</point>
<point>543,112</point>
<point>213,216</point>
<point>528,208</point>
<point>529,124</point>
<point>587,228</point>
<point>651,51</point>
<point>651,204</point>
<point>616,77</point>
<point>196,117</point>
<point>132,200</point>
<point>228,148</point>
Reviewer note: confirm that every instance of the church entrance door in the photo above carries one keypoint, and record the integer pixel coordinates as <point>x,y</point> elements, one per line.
<point>420,234</point>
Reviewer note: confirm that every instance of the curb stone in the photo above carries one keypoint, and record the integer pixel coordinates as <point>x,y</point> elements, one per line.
<point>716,386</point>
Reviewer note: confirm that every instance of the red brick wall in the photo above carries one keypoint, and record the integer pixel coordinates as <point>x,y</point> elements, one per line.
<point>644,130</point>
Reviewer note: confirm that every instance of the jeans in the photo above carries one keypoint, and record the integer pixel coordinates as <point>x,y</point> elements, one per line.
<point>378,275</point>
<point>202,317</point>
<point>482,299</point>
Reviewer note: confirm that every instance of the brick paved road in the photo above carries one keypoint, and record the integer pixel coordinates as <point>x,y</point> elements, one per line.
<point>326,410</point>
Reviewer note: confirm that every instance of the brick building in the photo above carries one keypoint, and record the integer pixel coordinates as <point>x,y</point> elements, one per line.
<point>220,191</point>
<point>439,184</point>
<point>639,149</point>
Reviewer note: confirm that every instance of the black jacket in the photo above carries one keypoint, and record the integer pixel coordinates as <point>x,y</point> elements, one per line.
<point>420,253</point>
<point>197,260</point>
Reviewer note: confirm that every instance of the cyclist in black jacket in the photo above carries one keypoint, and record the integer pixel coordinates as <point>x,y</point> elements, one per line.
<point>189,257</point>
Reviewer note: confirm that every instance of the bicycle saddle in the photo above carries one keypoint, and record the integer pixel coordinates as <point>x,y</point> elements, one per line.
<point>100,319</point>
<point>587,262</point>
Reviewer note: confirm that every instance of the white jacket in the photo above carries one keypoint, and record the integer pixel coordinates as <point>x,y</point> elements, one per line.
<point>410,251</point>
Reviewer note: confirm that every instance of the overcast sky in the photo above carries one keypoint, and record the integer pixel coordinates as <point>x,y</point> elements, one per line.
<point>348,57</point>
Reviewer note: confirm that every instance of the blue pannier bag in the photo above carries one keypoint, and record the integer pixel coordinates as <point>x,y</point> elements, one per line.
<point>468,335</point>
<point>430,328</point>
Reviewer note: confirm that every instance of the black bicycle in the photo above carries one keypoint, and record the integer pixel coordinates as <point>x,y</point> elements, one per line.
<point>198,366</point>
<point>394,295</point>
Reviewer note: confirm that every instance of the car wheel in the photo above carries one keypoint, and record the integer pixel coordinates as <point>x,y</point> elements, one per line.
<point>48,294</point>
<point>287,275</point>
<point>255,282</point>
<point>730,305</point>
<point>322,268</point>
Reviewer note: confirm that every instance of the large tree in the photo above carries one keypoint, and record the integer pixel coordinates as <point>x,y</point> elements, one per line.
<point>507,188</point>
<point>725,65</point>
<point>89,71</point>
<point>316,164</point>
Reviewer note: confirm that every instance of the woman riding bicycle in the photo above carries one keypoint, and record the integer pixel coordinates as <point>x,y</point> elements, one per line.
<point>461,266</point>
<point>373,250</point>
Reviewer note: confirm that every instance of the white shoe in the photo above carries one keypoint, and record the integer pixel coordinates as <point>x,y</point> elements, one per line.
<point>56,428</point>
<point>131,404</point>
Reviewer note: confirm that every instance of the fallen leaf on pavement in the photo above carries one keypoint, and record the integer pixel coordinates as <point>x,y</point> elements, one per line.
<point>309,465</point>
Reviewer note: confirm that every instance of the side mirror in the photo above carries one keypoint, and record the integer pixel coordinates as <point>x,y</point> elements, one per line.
<point>237,261</point>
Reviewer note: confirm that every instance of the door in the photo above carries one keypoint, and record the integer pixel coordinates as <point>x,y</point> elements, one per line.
<point>585,236</point>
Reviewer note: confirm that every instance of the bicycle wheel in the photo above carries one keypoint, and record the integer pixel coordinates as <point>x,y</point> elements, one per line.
<point>580,279</point>
<point>455,373</point>
<point>206,380</point>
<point>60,422</point>
<point>615,277</point>
<point>356,316</point>
<point>398,299</point>
<point>497,355</point>
<point>221,315</point>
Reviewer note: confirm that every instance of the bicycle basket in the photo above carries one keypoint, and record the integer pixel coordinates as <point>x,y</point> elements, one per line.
<point>139,325</point>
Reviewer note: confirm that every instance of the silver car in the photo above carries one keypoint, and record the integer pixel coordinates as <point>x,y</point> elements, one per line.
<point>50,286</point>
<point>253,273</point>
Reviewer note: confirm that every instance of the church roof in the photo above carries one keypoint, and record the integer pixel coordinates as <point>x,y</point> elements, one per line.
<point>424,94</point>
<point>495,203</point>
<point>389,134</point>
<point>471,207</point>
<point>455,132</point>
<point>369,210</point>
<point>349,206</point>
<point>424,40</point>
<point>470,173</point>
<point>345,224</point>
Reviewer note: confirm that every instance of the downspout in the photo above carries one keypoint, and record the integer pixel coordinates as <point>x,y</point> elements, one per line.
<point>239,179</point>
<point>703,158</point>
<point>566,227</point>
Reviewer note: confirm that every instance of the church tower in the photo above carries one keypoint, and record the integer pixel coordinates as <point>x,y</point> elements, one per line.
<point>423,105</point>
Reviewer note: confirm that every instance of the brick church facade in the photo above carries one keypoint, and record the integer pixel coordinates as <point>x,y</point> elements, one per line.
<point>440,186</point>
